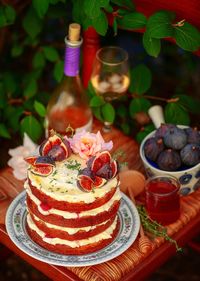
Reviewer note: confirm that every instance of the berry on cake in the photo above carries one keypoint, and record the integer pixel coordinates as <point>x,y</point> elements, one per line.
<point>73,194</point>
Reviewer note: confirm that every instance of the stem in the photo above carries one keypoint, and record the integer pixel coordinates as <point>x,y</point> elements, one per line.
<point>15,101</point>
<point>154,227</point>
<point>156,98</point>
<point>27,113</point>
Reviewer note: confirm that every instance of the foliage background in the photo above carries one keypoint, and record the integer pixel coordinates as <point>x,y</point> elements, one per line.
<point>32,50</point>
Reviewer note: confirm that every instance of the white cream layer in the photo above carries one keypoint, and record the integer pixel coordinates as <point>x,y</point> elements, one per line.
<point>69,215</point>
<point>77,243</point>
<point>62,183</point>
<point>69,230</point>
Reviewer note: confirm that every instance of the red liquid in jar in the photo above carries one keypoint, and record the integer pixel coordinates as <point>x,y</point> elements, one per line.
<point>162,202</point>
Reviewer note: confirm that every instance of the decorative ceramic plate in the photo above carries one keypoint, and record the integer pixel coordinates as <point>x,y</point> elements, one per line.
<point>16,228</point>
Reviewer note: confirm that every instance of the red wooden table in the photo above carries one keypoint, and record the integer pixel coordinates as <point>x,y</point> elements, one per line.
<point>10,187</point>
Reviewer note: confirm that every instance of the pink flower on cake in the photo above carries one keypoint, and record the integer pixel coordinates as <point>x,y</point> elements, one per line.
<point>89,144</point>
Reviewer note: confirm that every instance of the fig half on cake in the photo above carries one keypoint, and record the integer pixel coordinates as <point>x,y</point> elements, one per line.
<point>99,170</point>
<point>41,165</point>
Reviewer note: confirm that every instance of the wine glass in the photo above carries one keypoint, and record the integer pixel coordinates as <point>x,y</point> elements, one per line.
<point>110,75</point>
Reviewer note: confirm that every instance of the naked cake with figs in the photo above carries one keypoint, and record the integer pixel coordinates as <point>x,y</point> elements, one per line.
<point>72,194</point>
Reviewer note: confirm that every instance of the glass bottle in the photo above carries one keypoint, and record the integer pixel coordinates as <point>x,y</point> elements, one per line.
<point>68,105</point>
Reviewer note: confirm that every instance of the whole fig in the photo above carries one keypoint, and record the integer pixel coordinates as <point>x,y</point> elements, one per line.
<point>169,160</point>
<point>152,148</point>
<point>190,154</point>
<point>175,138</point>
<point>193,135</point>
<point>163,129</point>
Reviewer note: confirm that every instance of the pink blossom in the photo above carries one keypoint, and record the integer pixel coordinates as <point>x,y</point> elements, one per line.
<point>89,144</point>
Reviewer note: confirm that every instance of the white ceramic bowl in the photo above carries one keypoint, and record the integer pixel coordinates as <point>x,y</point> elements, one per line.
<point>189,178</point>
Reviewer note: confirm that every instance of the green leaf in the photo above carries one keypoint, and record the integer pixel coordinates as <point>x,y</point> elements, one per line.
<point>125,128</point>
<point>3,97</point>
<point>124,3</point>
<point>140,79</point>
<point>187,37</point>
<point>108,8</point>
<point>175,114</point>
<point>40,109</point>
<point>144,132</point>
<point>3,20</point>
<point>51,53</point>
<point>108,112</point>
<point>97,113</point>
<point>8,111</point>
<point>10,14</point>
<point>38,60</point>
<point>132,21</point>
<point>28,77</point>
<point>190,103</point>
<point>139,105</point>
<point>32,127</point>
<point>151,45</point>
<point>96,101</point>
<point>90,90</point>
<point>58,12</point>
<point>76,11</point>
<point>16,50</point>
<point>4,131</point>
<point>16,113</point>
<point>56,1</point>
<point>159,25</point>
<point>32,24</point>
<point>122,111</point>
<point>41,7</point>
<point>58,70</point>
<point>10,83</point>
<point>122,12</point>
<point>30,89</point>
<point>100,23</point>
<point>92,8</point>
<point>29,41</point>
<point>85,21</point>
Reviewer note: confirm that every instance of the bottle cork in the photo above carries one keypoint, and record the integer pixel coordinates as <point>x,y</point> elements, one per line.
<point>74,32</point>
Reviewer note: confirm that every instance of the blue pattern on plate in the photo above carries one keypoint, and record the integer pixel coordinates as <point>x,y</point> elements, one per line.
<point>129,229</point>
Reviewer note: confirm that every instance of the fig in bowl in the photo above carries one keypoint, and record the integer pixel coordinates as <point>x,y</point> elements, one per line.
<point>173,150</point>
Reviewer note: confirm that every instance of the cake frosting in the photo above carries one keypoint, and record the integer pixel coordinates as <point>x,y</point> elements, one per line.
<point>73,194</point>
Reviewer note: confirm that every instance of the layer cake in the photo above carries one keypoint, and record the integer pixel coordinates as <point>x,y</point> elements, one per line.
<point>73,194</point>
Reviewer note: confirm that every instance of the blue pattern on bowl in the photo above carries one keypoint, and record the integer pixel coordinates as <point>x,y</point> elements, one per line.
<point>197,185</point>
<point>185,179</point>
<point>149,172</point>
<point>185,190</point>
<point>197,174</point>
